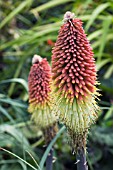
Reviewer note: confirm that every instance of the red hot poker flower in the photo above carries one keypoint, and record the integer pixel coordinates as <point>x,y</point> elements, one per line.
<point>74,78</point>
<point>39,82</point>
<point>73,64</point>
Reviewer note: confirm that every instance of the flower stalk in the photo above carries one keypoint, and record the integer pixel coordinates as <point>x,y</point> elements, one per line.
<point>81,160</point>
<point>49,160</point>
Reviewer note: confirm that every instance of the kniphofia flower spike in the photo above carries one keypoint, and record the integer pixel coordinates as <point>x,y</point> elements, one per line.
<point>74,79</point>
<point>40,98</point>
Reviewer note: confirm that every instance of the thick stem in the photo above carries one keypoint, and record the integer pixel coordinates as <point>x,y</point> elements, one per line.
<point>81,160</point>
<point>49,160</point>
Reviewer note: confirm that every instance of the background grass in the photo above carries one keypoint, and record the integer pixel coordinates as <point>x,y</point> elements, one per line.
<point>27,28</point>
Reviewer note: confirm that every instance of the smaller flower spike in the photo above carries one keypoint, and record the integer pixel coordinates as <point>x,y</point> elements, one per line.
<point>40,99</point>
<point>74,79</point>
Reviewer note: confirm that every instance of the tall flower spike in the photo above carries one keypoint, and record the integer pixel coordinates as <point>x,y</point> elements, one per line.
<point>74,79</point>
<point>40,100</point>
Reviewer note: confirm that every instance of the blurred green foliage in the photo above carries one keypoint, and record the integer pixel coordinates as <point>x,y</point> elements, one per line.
<point>27,28</point>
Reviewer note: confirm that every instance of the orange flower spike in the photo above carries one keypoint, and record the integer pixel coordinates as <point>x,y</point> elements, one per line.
<point>74,71</point>
<point>40,100</point>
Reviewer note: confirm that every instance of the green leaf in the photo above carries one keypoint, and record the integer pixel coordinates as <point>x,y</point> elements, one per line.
<point>94,35</point>
<point>50,146</point>
<point>6,140</point>
<point>14,163</point>
<point>34,159</point>
<point>25,39</point>
<point>109,113</point>
<point>98,42</point>
<point>103,40</point>
<point>99,65</point>
<point>109,72</point>
<point>11,153</point>
<point>13,102</point>
<point>4,111</point>
<point>16,133</point>
<point>17,80</point>
<point>49,4</point>
<point>14,12</point>
<point>95,13</point>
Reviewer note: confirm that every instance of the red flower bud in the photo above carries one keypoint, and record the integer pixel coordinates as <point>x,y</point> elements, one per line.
<point>74,79</point>
<point>39,82</point>
<point>73,64</point>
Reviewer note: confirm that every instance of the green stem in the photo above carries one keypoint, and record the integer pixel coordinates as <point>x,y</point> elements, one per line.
<point>81,160</point>
<point>49,160</point>
<point>50,146</point>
